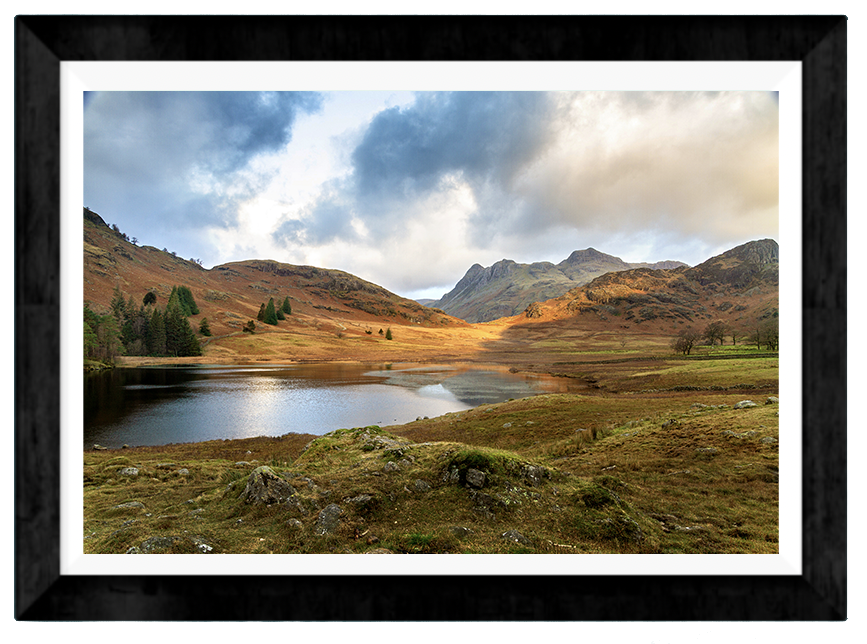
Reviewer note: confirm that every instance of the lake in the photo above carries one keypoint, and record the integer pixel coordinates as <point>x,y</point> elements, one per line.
<point>162,405</point>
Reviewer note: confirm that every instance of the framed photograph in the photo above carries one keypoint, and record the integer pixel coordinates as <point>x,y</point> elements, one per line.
<point>788,56</point>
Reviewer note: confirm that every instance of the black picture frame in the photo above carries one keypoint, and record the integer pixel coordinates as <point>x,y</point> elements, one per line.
<point>42,42</point>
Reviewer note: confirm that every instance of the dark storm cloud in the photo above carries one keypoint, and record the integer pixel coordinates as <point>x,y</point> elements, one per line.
<point>481,134</point>
<point>159,160</point>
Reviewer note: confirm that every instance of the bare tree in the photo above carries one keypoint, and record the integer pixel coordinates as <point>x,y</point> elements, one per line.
<point>685,341</point>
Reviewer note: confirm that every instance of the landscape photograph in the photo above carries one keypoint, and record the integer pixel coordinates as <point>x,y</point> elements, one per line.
<point>431,322</point>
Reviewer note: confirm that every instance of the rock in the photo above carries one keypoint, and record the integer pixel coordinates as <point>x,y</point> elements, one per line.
<point>745,404</point>
<point>698,406</point>
<point>183,471</point>
<point>128,471</point>
<point>99,447</point>
<point>242,463</point>
<point>515,536</point>
<point>328,519</point>
<point>772,400</point>
<point>391,466</point>
<point>405,462</point>
<point>135,550</point>
<point>201,545</point>
<point>264,486</point>
<point>460,532</point>
<point>294,523</point>
<point>129,505</point>
<point>534,474</point>
<point>476,478</point>
<point>507,425</point>
<point>155,544</point>
<point>769,439</point>
<point>421,486</point>
<point>707,450</point>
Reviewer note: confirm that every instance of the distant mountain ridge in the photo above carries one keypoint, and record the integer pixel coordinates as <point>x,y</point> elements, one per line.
<point>738,286</point>
<point>507,288</point>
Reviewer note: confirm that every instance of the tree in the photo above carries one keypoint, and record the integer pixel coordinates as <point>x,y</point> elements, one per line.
<point>714,331</point>
<point>188,304</point>
<point>771,334</point>
<point>204,328</point>
<point>286,308</point>
<point>685,341</point>
<point>118,305</point>
<point>270,316</point>
<point>388,334</point>
<point>156,335</point>
<point>280,314</point>
<point>250,327</point>
<point>261,315</point>
<point>149,298</point>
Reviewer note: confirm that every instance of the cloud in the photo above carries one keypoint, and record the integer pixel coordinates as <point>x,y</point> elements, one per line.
<point>174,160</point>
<point>559,170</point>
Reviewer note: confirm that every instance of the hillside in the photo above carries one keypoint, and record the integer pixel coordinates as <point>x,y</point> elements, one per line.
<point>644,310</point>
<point>507,287</point>
<point>334,314</point>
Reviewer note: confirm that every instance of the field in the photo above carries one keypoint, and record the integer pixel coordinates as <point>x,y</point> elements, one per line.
<point>652,457</point>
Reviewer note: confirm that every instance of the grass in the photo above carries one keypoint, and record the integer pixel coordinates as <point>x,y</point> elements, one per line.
<point>651,473</point>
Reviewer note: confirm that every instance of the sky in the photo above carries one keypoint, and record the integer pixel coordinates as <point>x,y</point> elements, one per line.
<point>410,189</point>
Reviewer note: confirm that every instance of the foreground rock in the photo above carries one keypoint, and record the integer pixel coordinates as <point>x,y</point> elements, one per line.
<point>328,519</point>
<point>264,486</point>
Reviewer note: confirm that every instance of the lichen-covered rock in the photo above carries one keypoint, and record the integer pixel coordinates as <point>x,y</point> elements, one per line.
<point>515,537</point>
<point>264,486</point>
<point>745,404</point>
<point>475,478</point>
<point>421,486</point>
<point>129,505</point>
<point>328,520</point>
<point>772,400</point>
<point>128,471</point>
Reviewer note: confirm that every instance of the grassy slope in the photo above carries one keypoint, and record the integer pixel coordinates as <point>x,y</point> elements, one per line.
<point>627,473</point>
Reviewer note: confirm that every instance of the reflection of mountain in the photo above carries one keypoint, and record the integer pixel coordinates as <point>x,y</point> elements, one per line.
<point>472,387</point>
<point>475,388</point>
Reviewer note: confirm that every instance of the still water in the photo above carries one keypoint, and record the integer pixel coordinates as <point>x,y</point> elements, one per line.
<point>161,405</point>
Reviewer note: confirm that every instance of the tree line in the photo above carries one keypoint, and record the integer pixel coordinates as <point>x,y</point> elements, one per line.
<point>270,313</point>
<point>765,333</point>
<point>145,329</point>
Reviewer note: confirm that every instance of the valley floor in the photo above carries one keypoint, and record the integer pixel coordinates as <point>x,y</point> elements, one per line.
<point>655,456</point>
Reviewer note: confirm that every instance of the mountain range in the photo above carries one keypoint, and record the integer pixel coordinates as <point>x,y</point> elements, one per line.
<point>338,316</point>
<point>507,287</point>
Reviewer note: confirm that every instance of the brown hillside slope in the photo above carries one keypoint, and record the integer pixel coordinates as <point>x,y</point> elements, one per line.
<point>335,315</point>
<point>644,308</point>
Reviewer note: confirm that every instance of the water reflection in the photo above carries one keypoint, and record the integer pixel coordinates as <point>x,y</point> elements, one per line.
<point>156,406</point>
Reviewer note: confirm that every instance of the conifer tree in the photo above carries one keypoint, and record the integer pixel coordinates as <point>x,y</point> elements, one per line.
<point>204,328</point>
<point>261,315</point>
<point>388,334</point>
<point>118,305</point>
<point>270,314</point>
<point>280,314</point>
<point>156,336</point>
<point>286,308</point>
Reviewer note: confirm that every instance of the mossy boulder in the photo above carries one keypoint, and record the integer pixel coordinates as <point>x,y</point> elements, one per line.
<point>265,486</point>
